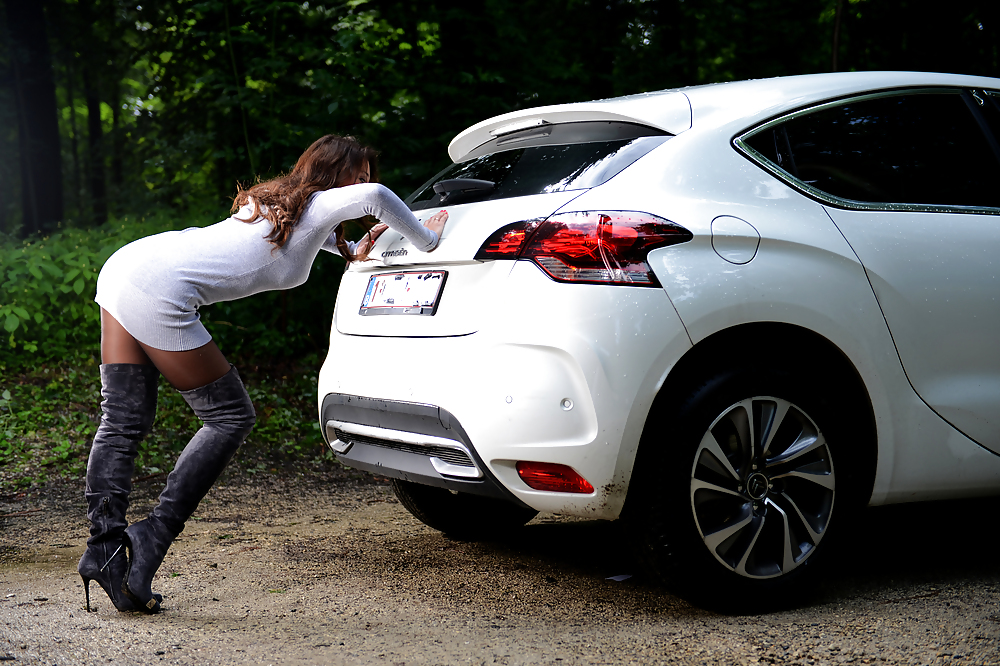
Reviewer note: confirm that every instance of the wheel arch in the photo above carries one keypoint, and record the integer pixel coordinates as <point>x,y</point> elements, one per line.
<point>724,348</point>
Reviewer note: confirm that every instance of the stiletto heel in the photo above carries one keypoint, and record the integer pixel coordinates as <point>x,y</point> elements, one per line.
<point>109,576</point>
<point>86,590</point>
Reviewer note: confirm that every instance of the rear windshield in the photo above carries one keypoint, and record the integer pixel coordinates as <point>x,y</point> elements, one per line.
<point>537,170</point>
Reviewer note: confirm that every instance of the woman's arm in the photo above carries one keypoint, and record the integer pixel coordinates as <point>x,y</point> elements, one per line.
<point>329,208</point>
<point>364,245</point>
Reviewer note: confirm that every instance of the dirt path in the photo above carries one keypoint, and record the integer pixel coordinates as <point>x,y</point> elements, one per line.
<point>333,571</point>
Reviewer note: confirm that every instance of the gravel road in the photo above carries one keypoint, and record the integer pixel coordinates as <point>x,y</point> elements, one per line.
<point>330,569</point>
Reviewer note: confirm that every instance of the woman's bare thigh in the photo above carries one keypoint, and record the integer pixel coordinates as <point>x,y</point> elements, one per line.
<point>184,370</point>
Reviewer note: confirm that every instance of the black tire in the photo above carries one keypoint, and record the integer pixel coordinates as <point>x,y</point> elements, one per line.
<point>461,515</point>
<point>750,533</point>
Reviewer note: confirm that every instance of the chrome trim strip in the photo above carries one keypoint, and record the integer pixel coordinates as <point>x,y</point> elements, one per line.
<point>401,436</point>
<point>740,144</point>
<point>412,438</point>
<point>447,469</point>
<point>339,446</point>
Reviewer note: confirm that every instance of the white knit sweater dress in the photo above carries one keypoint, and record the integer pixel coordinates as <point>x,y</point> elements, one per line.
<point>155,285</point>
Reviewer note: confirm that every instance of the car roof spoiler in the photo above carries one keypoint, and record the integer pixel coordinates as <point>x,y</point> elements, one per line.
<point>668,111</point>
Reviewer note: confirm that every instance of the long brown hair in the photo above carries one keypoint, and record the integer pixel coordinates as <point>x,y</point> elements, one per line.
<point>331,161</point>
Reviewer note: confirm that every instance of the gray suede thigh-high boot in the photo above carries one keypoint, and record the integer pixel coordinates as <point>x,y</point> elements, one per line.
<point>228,416</point>
<point>127,412</point>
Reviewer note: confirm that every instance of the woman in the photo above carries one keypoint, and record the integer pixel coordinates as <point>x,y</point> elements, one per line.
<point>150,292</point>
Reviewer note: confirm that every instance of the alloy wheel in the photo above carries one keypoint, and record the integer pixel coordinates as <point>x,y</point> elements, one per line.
<point>762,487</point>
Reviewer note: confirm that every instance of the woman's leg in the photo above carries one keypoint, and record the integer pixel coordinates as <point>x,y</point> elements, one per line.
<point>128,406</point>
<point>185,370</point>
<point>213,389</point>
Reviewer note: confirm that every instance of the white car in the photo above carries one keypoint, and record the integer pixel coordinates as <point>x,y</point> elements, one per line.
<point>733,315</point>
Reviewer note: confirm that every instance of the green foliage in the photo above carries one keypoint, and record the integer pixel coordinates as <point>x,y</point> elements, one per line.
<point>237,90</point>
<point>47,287</point>
<point>46,422</point>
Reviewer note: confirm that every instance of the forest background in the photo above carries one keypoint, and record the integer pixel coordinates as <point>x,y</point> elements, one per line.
<point>120,119</point>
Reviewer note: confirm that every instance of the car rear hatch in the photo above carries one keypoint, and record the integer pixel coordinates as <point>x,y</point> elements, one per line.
<point>516,174</point>
<point>466,286</point>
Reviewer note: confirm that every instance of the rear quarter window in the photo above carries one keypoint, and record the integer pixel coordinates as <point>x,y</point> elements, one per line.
<point>914,148</point>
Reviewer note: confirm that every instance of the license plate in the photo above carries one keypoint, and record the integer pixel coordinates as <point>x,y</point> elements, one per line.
<point>410,293</point>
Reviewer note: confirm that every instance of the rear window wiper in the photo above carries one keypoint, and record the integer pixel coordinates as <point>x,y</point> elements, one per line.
<point>462,188</point>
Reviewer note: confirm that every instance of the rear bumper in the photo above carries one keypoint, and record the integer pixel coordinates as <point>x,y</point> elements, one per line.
<point>409,441</point>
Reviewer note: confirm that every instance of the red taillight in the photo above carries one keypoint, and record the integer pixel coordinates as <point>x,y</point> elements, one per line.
<point>552,477</point>
<point>591,247</point>
<point>507,242</point>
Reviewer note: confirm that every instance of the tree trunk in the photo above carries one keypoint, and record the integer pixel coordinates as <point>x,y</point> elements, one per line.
<point>8,128</point>
<point>38,128</point>
<point>95,155</point>
<point>117,143</point>
<point>74,133</point>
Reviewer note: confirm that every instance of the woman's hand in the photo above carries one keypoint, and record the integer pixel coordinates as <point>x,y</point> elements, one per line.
<point>436,222</point>
<point>365,244</point>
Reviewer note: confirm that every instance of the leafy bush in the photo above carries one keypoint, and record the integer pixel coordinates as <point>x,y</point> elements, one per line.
<point>47,287</point>
<point>43,282</point>
<point>47,420</point>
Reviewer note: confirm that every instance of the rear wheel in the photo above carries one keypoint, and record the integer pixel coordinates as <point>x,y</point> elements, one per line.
<point>758,473</point>
<point>461,515</point>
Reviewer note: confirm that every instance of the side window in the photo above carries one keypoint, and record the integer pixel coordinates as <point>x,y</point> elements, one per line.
<point>911,148</point>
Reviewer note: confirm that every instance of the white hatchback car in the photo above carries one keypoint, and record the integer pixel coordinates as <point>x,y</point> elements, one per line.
<point>731,314</point>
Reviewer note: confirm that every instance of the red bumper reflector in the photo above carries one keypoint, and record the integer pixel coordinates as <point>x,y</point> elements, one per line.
<point>552,477</point>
